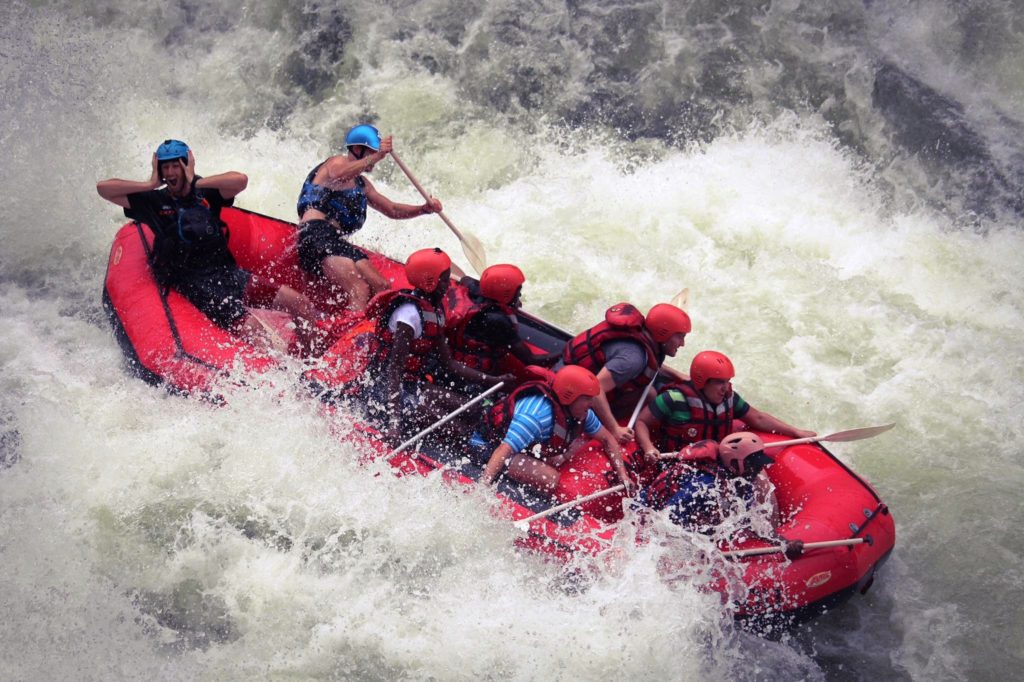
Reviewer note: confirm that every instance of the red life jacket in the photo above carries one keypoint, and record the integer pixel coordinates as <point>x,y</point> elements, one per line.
<point>564,429</point>
<point>423,355</point>
<point>460,309</point>
<point>622,322</point>
<point>707,421</point>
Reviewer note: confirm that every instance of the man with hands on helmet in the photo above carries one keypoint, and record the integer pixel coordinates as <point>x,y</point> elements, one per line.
<point>710,481</point>
<point>551,417</point>
<point>703,407</point>
<point>412,350</point>
<point>332,206</point>
<point>190,247</point>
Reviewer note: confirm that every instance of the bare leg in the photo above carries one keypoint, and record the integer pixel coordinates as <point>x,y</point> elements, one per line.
<point>251,330</point>
<point>372,277</point>
<point>342,273</point>
<point>534,472</point>
<point>306,316</point>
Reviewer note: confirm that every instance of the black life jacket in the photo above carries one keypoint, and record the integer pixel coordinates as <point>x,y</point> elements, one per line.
<point>462,306</point>
<point>197,239</point>
<point>564,429</point>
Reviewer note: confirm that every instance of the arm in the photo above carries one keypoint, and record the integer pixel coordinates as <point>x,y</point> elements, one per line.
<point>762,421</point>
<point>644,442</point>
<point>501,454</point>
<point>522,432</point>
<point>604,411</point>
<point>614,452</point>
<point>116,190</point>
<point>393,378</point>
<point>342,168</point>
<point>395,210</point>
<point>228,184</point>
<point>468,373</point>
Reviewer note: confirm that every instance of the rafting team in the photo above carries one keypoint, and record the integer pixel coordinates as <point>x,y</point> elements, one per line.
<point>576,395</point>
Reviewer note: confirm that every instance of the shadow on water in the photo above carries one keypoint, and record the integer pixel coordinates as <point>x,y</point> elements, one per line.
<point>934,129</point>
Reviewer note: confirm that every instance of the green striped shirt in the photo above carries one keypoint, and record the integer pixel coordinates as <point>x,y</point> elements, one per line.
<point>670,407</point>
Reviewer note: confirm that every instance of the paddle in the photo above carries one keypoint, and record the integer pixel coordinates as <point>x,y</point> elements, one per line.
<point>679,300</point>
<point>444,420</point>
<point>471,246</point>
<point>524,524</point>
<point>838,437</point>
<point>777,549</point>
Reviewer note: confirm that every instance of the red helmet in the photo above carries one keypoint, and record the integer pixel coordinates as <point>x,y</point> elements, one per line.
<point>743,453</point>
<point>425,267</point>
<point>501,282</point>
<point>664,320</point>
<point>710,364</point>
<point>572,381</point>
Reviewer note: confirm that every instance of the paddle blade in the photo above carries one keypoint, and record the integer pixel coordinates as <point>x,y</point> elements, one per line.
<point>682,299</point>
<point>474,251</point>
<point>857,434</point>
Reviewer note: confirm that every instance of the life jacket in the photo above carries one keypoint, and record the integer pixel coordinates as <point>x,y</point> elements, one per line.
<point>622,322</point>
<point>462,305</point>
<point>707,421</point>
<point>347,207</point>
<point>564,429</point>
<point>197,238</point>
<point>423,357</point>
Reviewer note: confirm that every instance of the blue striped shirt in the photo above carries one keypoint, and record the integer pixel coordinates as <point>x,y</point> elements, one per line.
<point>533,421</point>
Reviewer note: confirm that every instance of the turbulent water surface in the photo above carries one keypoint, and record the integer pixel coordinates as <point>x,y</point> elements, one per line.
<point>838,184</point>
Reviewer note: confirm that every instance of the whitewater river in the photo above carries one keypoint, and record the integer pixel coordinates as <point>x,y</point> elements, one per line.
<point>837,183</point>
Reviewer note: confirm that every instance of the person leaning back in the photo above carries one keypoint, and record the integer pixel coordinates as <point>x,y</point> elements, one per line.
<point>190,246</point>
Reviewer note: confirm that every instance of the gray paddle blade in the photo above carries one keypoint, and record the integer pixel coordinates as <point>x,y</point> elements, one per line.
<point>857,434</point>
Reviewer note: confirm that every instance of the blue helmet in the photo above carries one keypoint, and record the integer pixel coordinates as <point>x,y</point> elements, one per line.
<point>172,149</point>
<point>365,135</point>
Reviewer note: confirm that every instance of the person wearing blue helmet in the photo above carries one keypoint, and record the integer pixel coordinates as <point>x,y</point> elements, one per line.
<point>190,248</point>
<point>332,206</point>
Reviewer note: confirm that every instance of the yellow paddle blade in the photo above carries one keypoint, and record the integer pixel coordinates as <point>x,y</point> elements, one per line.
<point>682,299</point>
<point>474,251</point>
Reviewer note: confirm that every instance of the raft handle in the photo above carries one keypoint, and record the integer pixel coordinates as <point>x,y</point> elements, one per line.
<point>856,530</point>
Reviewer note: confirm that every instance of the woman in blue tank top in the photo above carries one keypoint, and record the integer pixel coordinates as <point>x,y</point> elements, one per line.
<point>332,206</point>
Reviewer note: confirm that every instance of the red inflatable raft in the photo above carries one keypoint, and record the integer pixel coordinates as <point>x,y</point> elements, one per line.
<point>165,339</point>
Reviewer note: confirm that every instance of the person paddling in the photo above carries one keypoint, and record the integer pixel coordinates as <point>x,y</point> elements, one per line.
<point>332,206</point>
<point>554,413</point>
<point>626,352</point>
<point>481,323</point>
<point>703,407</point>
<point>402,374</point>
<point>190,247</point>
<point>708,482</point>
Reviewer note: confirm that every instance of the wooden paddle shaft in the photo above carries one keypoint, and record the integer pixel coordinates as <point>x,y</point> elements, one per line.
<point>426,196</point>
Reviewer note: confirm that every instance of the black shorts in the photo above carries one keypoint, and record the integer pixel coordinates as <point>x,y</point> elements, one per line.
<point>318,239</point>
<point>218,293</point>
